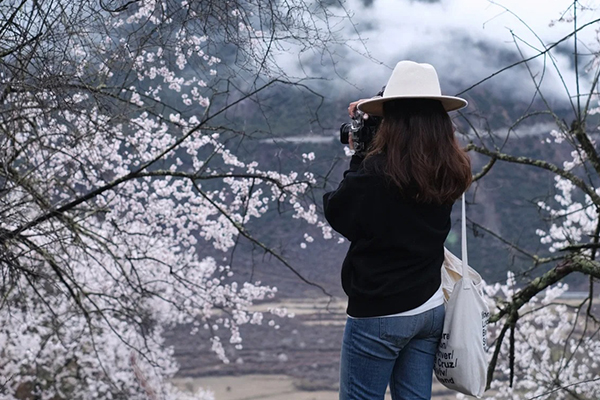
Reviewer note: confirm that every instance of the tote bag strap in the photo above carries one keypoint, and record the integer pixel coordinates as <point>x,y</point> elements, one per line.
<point>465,262</point>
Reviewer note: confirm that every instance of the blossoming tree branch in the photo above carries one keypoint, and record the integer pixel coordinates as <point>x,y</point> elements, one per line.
<point>542,347</point>
<point>110,137</point>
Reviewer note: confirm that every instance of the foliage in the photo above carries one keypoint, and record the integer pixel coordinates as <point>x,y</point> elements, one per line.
<point>544,347</point>
<point>110,138</point>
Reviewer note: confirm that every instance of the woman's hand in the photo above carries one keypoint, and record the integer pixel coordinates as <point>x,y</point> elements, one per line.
<point>352,107</point>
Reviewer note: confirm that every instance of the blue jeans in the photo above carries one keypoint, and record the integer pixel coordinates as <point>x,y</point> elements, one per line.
<point>395,350</point>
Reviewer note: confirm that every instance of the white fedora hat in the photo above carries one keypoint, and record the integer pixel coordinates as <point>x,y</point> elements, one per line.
<point>411,80</point>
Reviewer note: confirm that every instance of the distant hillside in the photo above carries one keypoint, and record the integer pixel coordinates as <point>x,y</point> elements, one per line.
<point>504,202</point>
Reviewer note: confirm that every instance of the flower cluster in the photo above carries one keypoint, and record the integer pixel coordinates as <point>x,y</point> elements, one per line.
<point>109,181</point>
<point>555,349</point>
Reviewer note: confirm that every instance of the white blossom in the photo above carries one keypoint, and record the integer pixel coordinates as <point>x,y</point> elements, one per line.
<point>83,315</point>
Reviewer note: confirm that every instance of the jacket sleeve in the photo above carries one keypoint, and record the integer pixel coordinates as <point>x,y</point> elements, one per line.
<point>344,206</point>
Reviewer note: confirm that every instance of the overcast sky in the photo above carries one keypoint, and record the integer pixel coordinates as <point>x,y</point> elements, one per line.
<point>466,40</point>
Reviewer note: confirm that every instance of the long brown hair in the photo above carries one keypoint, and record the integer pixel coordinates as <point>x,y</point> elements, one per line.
<point>421,152</point>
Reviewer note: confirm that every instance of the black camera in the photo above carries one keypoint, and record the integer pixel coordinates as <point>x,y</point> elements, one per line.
<point>362,131</point>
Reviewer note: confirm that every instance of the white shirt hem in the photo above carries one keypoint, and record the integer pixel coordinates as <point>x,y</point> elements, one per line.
<point>434,301</point>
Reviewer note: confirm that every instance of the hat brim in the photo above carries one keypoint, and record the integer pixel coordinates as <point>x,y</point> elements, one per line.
<point>375,106</point>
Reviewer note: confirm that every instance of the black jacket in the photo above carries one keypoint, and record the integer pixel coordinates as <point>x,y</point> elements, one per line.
<point>397,244</point>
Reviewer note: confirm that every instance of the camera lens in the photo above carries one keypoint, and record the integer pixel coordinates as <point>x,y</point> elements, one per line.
<point>344,133</point>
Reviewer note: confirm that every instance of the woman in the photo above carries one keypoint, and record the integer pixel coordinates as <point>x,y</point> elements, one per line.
<point>394,206</point>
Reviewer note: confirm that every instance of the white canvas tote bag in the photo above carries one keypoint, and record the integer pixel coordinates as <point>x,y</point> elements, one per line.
<point>461,361</point>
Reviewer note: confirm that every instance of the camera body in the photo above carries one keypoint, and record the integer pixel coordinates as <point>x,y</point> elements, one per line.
<point>362,131</point>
